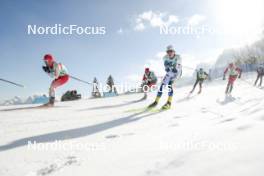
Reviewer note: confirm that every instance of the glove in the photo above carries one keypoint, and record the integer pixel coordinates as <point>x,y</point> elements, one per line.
<point>167,63</point>
<point>150,80</point>
<point>167,69</point>
<point>224,78</point>
<point>239,76</point>
<point>144,82</point>
<point>174,70</point>
<point>46,69</point>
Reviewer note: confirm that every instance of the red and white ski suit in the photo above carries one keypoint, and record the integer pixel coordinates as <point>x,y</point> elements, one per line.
<point>232,72</point>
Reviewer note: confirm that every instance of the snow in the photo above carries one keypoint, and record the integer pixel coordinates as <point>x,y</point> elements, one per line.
<point>203,135</point>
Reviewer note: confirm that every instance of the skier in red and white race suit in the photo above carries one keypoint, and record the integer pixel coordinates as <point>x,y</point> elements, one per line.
<point>148,81</point>
<point>233,72</point>
<point>57,71</point>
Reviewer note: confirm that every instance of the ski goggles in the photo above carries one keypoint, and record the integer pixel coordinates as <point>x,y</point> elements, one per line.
<point>47,62</point>
<point>170,51</point>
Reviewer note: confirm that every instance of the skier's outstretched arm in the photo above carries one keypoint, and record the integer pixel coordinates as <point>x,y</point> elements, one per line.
<point>224,76</point>
<point>240,73</point>
<point>179,63</point>
<point>179,66</point>
<point>206,75</point>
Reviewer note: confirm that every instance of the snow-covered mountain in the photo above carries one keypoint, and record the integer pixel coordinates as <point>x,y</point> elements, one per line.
<point>203,135</point>
<point>34,99</point>
<point>14,101</point>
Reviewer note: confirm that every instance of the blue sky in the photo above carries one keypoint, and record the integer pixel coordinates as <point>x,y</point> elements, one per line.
<point>123,54</point>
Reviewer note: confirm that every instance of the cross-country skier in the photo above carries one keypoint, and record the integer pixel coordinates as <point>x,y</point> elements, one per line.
<point>173,68</point>
<point>57,71</point>
<point>233,72</point>
<point>96,93</point>
<point>149,80</point>
<point>201,75</point>
<point>260,74</point>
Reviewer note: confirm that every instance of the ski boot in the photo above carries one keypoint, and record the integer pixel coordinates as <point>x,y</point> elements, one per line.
<point>51,102</point>
<point>155,103</point>
<point>166,106</point>
<point>152,105</point>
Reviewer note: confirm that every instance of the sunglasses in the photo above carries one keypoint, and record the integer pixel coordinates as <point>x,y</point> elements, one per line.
<point>170,51</point>
<point>47,62</point>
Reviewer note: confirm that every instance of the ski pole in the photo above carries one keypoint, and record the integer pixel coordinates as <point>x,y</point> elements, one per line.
<point>81,80</point>
<point>16,84</point>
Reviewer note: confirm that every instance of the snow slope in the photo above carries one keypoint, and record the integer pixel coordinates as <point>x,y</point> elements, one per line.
<point>204,135</point>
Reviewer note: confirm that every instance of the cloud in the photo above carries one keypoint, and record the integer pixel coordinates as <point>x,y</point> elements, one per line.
<point>139,26</point>
<point>196,19</point>
<point>154,19</point>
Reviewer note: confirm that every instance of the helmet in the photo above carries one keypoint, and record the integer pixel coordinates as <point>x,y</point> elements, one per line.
<point>48,57</point>
<point>170,48</point>
<point>146,70</point>
<point>231,64</point>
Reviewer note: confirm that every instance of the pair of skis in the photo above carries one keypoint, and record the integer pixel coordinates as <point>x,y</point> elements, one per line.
<point>148,109</point>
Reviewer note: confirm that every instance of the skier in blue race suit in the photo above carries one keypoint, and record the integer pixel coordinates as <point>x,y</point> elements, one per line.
<point>173,68</point>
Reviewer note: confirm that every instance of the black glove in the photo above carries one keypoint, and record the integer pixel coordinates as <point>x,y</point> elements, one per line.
<point>174,70</point>
<point>46,69</point>
<point>167,69</point>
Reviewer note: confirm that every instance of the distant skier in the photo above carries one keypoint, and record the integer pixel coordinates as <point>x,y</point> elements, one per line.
<point>201,75</point>
<point>149,80</point>
<point>233,72</point>
<point>173,68</point>
<point>95,92</point>
<point>57,71</point>
<point>260,74</point>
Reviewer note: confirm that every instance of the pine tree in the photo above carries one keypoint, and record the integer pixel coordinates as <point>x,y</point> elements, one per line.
<point>111,84</point>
